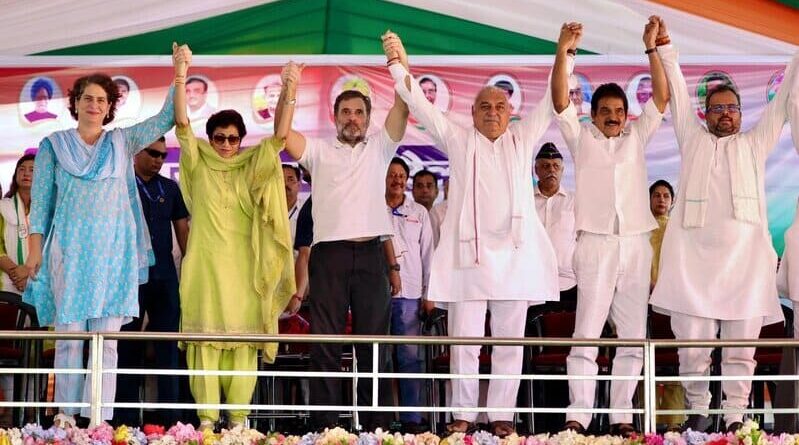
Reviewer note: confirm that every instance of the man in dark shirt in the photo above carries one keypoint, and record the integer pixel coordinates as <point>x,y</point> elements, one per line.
<point>163,209</point>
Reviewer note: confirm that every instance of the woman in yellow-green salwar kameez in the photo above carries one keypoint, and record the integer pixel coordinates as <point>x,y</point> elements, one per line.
<point>237,276</point>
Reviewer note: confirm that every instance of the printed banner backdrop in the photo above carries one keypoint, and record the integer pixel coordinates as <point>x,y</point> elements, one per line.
<point>33,104</point>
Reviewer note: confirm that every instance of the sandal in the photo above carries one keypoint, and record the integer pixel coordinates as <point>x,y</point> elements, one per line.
<point>461,426</point>
<point>502,428</point>
<point>575,426</point>
<point>624,430</point>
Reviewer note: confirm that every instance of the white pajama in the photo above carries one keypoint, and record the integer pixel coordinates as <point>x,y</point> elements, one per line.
<point>467,319</point>
<point>69,354</point>
<point>612,282</point>
<point>734,361</point>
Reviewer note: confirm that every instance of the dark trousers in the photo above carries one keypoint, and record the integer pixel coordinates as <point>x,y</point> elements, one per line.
<point>159,299</point>
<point>348,276</point>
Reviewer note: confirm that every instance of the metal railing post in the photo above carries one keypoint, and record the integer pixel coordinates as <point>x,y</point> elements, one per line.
<point>375,370</point>
<point>97,379</point>
<point>356,419</point>
<point>650,389</point>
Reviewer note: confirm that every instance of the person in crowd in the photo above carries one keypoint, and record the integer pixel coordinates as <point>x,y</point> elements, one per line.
<point>303,239</point>
<point>237,275</point>
<point>438,211</point>
<point>613,256</point>
<point>352,262</point>
<point>291,177</point>
<point>661,199</point>
<point>425,188</point>
<point>494,253</point>
<point>555,207</point>
<point>717,261</point>
<point>413,247</point>
<point>164,211</point>
<point>15,211</point>
<point>89,247</point>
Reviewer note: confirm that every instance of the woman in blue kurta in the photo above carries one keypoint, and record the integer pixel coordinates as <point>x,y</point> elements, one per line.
<point>89,245</point>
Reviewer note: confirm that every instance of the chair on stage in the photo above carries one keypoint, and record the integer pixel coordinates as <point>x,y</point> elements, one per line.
<point>18,316</point>
<point>556,320</point>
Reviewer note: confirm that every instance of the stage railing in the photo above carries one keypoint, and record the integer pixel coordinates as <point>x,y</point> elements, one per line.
<point>649,410</point>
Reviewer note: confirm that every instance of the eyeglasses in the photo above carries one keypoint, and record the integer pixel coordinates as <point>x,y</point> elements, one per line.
<point>232,139</point>
<point>720,108</point>
<point>155,154</point>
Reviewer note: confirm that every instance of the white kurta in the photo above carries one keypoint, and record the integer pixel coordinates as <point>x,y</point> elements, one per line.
<point>788,275</point>
<point>557,216</point>
<point>725,269</point>
<point>503,268</point>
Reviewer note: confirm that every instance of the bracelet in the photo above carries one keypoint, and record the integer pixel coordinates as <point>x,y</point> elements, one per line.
<point>651,50</point>
<point>571,52</point>
<point>392,61</point>
<point>660,41</point>
<point>291,101</point>
<point>297,297</point>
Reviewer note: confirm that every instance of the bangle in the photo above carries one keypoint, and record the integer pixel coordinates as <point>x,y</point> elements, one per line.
<point>297,297</point>
<point>571,52</point>
<point>651,50</point>
<point>392,61</point>
<point>291,101</point>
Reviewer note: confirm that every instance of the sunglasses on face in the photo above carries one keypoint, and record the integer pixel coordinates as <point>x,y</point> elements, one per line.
<point>221,138</point>
<point>720,108</point>
<point>155,154</point>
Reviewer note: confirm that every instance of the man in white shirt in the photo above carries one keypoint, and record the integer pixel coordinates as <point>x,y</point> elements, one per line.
<point>413,247</point>
<point>291,178</point>
<point>438,212</point>
<point>717,261</point>
<point>197,99</point>
<point>494,253</point>
<point>555,207</point>
<point>613,255</point>
<point>350,265</point>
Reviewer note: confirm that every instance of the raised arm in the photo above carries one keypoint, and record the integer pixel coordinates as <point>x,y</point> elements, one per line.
<point>793,111</point>
<point>397,118</point>
<point>438,126</point>
<point>565,113</point>
<point>140,136</point>
<point>768,129</point>
<point>660,86</point>
<point>181,59</point>
<point>570,34</point>
<point>284,113</point>
<point>682,111</point>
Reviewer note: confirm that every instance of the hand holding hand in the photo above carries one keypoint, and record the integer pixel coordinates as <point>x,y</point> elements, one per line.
<point>651,30</point>
<point>393,49</point>
<point>181,59</point>
<point>291,74</point>
<point>570,35</point>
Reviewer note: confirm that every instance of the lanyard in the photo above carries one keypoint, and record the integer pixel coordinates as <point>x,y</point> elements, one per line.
<point>161,194</point>
<point>22,231</point>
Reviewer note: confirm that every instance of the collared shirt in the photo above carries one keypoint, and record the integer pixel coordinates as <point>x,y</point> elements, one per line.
<point>294,213</point>
<point>611,181</point>
<point>557,215</point>
<point>437,214</point>
<point>348,184</point>
<point>413,247</point>
<point>162,203</point>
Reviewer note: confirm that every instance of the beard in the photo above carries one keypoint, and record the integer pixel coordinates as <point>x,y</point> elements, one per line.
<point>350,133</point>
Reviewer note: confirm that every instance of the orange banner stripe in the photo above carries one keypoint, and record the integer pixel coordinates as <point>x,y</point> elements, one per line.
<point>765,17</point>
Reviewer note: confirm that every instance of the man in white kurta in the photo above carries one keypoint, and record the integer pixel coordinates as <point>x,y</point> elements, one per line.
<point>613,256</point>
<point>717,261</point>
<point>493,254</point>
<point>555,207</point>
<point>788,274</point>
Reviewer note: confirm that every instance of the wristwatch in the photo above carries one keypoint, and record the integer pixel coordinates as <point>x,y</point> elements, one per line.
<point>394,267</point>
